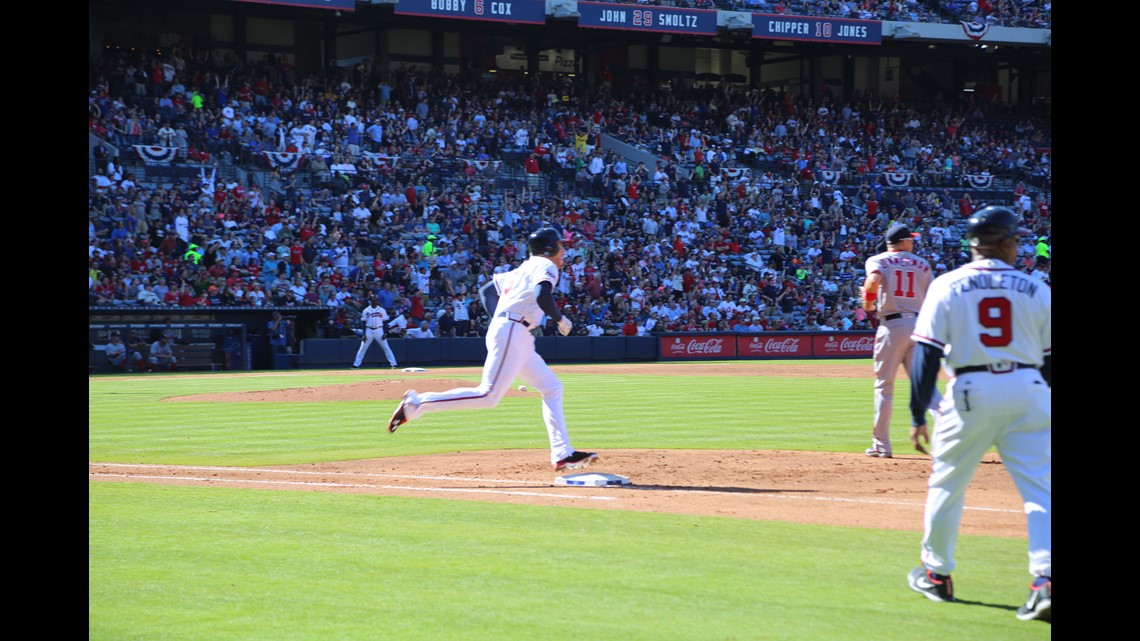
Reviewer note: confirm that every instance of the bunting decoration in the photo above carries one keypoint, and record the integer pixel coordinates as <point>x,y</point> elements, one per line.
<point>979,181</point>
<point>829,177</point>
<point>481,165</point>
<point>284,161</point>
<point>381,162</point>
<point>151,153</point>
<point>975,30</point>
<point>897,178</point>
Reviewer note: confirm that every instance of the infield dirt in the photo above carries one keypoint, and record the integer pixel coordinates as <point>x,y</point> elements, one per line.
<point>827,488</point>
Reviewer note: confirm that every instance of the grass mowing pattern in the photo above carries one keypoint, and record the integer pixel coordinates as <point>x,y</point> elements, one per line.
<point>179,563</point>
<point>187,564</point>
<point>129,422</point>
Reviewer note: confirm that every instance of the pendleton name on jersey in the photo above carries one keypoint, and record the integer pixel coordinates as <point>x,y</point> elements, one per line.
<point>988,312</point>
<point>1015,281</point>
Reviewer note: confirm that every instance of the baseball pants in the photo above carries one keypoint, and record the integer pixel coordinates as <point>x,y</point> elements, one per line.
<point>893,347</point>
<point>378,336</point>
<point>1012,411</point>
<point>510,354</point>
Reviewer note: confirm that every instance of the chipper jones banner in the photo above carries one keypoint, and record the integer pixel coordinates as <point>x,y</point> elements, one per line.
<point>769,345</point>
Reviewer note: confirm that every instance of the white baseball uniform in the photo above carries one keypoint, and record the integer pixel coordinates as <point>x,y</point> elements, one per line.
<point>995,321</point>
<point>906,278</point>
<point>374,317</point>
<point>511,354</point>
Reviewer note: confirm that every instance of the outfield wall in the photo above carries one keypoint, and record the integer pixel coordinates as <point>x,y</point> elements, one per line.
<point>340,352</point>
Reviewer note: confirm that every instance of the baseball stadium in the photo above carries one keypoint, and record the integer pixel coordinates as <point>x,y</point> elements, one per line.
<point>739,310</point>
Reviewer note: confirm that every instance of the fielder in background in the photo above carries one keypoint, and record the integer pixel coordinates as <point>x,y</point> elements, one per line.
<point>993,324</point>
<point>516,301</point>
<point>373,318</point>
<point>896,283</point>
<point>162,354</point>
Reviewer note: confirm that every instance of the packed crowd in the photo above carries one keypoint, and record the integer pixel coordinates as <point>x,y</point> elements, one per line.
<point>681,246</point>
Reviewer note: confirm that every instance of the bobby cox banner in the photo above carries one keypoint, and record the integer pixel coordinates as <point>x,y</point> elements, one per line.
<point>526,11</point>
<point>773,346</point>
<point>843,345</point>
<point>608,15</point>
<point>776,27</point>
<point>339,5</point>
<point>707,346</point>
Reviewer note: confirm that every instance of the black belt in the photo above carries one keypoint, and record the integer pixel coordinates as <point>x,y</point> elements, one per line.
<point>897,315</point>
<point>990,369</point>
<point>507,315</point>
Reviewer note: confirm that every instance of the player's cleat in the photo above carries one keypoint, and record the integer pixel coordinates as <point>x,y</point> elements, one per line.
<point>1040,603</point>
<point>936,587</point>
<point>400,416</point>
<point>877,452</point>
<point>355,367</point>
<point>575,461</point>
<point>393,367</point>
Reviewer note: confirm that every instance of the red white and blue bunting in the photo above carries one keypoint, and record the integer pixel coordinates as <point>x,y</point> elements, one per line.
<point>151,153</point>
<point>285,161</point>
<point>979,181</point>
<point>829,177</point>
<point>381,161</point>
<point>897,178</point>
<point>735,173</point>
<point>975,30</point>
<point>482,165</point>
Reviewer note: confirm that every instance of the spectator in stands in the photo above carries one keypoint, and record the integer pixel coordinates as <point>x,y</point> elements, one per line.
<point>398,326</point>
<point>446,321</point>
<point>619,232</point>
<point>422,331</point>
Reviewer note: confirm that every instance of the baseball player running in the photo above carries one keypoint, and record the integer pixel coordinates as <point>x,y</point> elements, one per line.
<point>516,301</point>
<point>373,317</point>
<point>897,281</point>
<point>993,325</point>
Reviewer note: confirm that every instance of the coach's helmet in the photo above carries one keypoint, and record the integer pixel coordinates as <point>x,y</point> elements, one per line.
<point>991,225</point>
<point>544,242</point>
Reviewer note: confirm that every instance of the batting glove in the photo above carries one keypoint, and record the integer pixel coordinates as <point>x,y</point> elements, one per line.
<point>565,325</point>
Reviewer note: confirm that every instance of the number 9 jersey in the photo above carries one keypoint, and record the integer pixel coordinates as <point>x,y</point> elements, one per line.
<point>987,312</point>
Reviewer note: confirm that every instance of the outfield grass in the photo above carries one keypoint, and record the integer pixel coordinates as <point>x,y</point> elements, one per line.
<point>187,563</point>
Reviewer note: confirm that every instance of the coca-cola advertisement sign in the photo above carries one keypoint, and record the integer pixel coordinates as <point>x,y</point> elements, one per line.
<point>840,345</point>
<point>774,346</point>
<point>709,346</point>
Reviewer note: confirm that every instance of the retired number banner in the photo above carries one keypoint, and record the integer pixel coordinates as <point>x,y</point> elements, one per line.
<point>632,17</point>
<point>524,11</point>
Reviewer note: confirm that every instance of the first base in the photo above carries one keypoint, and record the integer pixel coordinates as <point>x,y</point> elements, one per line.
<point>592,480</point>
<point>414,369</point>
